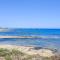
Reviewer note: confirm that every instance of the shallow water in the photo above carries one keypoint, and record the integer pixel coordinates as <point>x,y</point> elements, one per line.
<point>41,42</point>
<point>48,43</point>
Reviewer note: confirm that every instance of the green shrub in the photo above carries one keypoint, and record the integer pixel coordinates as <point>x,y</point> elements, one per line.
<point>4,52</point>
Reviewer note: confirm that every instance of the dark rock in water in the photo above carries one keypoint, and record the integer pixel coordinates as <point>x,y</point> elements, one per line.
<point>37,48</point>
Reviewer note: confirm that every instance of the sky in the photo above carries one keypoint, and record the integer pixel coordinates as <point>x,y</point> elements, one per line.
<point>30,13</point>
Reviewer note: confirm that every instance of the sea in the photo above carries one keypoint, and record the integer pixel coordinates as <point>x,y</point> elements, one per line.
<point>50,38</point>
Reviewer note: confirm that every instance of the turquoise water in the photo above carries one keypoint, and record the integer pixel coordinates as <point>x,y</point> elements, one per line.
<point>41,42</point>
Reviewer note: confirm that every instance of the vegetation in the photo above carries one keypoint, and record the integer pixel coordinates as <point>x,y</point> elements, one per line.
<point>18,55</point>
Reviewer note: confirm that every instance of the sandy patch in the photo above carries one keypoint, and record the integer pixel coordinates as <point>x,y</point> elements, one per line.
<point>29,50</point>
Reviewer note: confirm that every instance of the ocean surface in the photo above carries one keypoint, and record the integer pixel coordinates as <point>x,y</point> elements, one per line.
<point>50,37</point>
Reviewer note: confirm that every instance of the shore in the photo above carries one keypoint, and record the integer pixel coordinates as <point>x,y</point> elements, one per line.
<point>43,37</point>
<point>30,50</point>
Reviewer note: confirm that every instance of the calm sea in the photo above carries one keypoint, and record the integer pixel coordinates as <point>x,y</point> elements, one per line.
<point>50,37</point>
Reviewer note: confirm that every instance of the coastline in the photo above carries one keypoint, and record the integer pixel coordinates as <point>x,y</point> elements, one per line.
<point>30,50</point>
<point>38,37</point>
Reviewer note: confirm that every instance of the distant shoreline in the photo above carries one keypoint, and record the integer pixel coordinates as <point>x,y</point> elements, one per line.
<point>43,37</point>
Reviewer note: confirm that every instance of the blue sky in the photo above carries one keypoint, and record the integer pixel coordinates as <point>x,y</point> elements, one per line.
<point>30,13</point>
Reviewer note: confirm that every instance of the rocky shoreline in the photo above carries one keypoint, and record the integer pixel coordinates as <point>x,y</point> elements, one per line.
<point>31,50</point>
<point>27,53</point>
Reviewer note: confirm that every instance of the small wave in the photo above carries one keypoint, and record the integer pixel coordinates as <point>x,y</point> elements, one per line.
<point>55,37</point>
